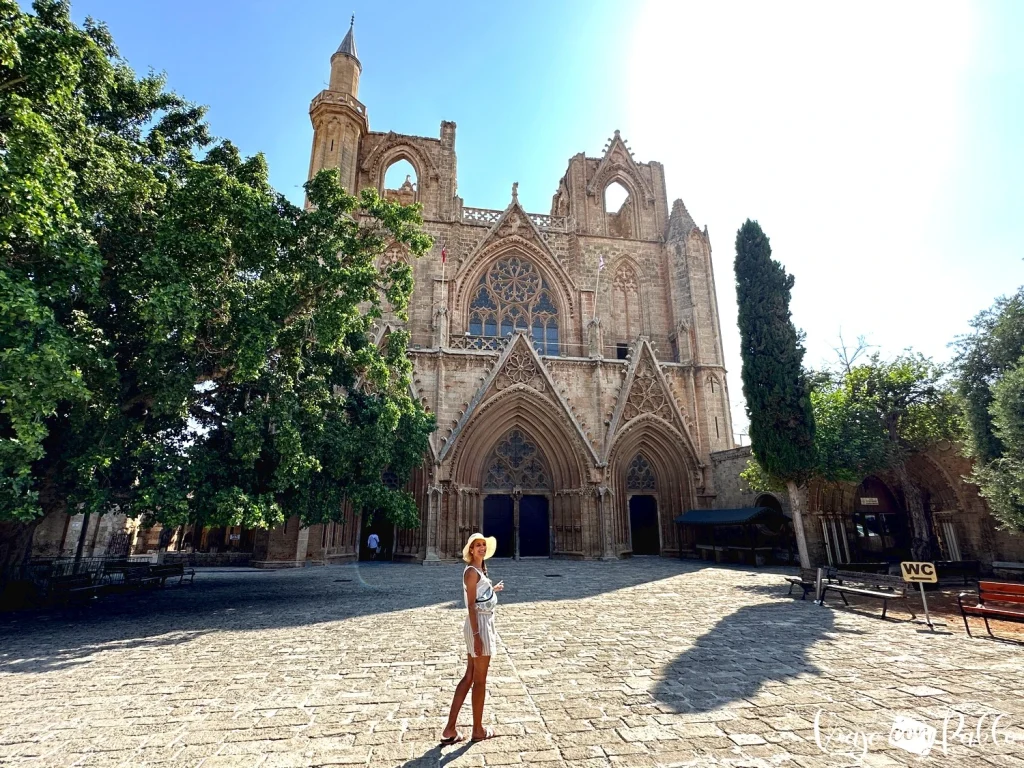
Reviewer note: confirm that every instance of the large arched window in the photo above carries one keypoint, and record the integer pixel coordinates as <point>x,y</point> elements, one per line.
<point>516,462</point>
<point>512,297</point>
<point>400,182</point>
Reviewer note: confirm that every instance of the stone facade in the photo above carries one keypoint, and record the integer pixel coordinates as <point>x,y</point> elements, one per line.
<point>562,352</point>
<point>842,522</point>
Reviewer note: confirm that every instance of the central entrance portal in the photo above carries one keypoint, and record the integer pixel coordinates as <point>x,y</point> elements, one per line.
<point>516,507</point>
<point>499,523</point>
<point>534,537</point>
<point>643,525</point>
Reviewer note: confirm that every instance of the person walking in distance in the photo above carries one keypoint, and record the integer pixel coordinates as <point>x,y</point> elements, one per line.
<point>481,638</point>
<point>373,544</point>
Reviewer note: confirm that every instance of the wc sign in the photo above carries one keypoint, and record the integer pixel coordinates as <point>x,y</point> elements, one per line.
<point>919,572</point>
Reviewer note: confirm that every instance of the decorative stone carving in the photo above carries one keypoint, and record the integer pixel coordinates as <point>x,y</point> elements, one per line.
<point>646,395</point>
<point>640,475</point>
<point>519,368</point>
<point>516,464</point>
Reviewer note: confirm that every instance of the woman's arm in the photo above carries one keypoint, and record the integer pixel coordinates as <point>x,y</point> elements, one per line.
<point>471,579</point>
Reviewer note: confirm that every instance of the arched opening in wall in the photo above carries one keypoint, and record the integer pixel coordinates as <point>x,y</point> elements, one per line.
<point>880,522</point>
<point>618,210</point>
<point>642,489</point>
<point>517,484</point>
<point>400,183</point>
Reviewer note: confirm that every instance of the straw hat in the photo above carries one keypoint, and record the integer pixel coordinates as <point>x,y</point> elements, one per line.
<point>492,545</point>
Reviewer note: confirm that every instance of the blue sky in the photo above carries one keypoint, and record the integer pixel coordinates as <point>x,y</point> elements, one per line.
<point>878,144</point>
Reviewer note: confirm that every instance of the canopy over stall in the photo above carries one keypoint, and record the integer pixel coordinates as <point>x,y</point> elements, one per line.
<point>748,533</point>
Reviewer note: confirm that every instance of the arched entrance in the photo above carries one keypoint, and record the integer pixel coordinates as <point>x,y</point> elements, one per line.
<point>642,489</point>
<point>517,484</point>
<point>881,524</point>
<point>650,462</point>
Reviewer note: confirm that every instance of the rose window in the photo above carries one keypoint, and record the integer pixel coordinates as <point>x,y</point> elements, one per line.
<point>512,297</point>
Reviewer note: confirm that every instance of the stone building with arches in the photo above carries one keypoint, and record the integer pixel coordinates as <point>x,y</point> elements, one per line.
<point>573,358</point>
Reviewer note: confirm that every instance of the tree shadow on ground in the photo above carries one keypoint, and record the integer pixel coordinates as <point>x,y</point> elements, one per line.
<point>746,649</point>
<point>250,600</point>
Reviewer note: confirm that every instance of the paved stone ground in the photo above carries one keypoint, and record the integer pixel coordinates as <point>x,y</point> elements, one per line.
<point>640,663</point>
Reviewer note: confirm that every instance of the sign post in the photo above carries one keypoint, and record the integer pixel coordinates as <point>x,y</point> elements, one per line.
<point>920,573</point>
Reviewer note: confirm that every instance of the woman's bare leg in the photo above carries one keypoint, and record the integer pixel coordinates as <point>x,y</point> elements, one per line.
<point>480,664</point>
<point>461,690</point>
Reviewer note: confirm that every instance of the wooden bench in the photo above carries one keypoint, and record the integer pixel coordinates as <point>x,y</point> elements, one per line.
<point>1001,565</point>
<point>170,570</point>
<point>1011,596</point>
<point>65,588</point>
<point>874,585</point>
<point>807,581</point>
<point>129,575</point>
<point>947,570</point>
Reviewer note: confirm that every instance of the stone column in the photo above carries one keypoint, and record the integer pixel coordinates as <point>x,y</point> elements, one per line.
<point>433,511</point>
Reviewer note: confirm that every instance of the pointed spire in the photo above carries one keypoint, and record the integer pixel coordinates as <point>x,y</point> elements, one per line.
<point>348,45</point>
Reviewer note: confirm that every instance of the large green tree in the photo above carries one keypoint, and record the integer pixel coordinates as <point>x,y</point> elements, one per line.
<point>775,385</point>
<point>990,379</point>
<point>176,339</point>
<point>902,407</point>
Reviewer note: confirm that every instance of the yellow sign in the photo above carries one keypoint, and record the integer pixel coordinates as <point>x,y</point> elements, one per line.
<point>919,572</point>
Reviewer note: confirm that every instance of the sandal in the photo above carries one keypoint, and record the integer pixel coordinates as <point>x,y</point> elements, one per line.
<point>448,740</point>
<point>488,734</point>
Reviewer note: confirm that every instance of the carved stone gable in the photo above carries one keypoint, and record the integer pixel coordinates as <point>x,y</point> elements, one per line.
<point>647,394</point>
<point>520,368</point>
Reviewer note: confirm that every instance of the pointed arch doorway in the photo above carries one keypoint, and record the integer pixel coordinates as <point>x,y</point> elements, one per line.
<point>517,488</point>
<point>642,490</point>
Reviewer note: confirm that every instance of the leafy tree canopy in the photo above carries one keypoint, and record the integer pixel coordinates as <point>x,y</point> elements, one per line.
<point>176,338</point>
<point>990,381</point>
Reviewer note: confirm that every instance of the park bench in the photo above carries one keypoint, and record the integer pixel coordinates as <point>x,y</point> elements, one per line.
<point>1011,596</point>
<point>1000,565</point>
<point>167,571</point>
<point>807,581</point>
<point>874,585</point>
<point>947,570</point>
<point>64,589</point>
<point>128,575</point>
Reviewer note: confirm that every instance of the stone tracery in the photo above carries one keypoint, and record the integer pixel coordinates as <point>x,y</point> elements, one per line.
<point>516,462</point>
<point>640,475</point>
<point>647,394</point>
<point>511,297</point>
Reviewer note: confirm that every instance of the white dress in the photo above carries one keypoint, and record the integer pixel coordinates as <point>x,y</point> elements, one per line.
<point>486,601</point>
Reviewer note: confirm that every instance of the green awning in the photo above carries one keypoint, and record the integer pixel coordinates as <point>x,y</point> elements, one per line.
<point>741,516</point>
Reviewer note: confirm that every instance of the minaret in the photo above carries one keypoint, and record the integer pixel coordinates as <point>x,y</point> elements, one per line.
<point>339,119</point>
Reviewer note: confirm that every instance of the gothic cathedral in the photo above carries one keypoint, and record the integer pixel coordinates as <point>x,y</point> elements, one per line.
<point>573,358</point>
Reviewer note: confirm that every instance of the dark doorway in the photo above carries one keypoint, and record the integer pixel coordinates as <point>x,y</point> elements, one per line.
<point>385,531</point>
<point>643,525</point>
<point>534,537</point>
<point>499,524</point>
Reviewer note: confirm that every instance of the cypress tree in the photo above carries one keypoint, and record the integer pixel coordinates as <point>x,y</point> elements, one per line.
<point>775,385</point>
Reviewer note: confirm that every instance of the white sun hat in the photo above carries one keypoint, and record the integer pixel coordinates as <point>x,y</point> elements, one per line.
<point>492,545</point>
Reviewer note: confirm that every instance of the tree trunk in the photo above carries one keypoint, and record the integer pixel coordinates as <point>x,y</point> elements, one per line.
<point>920,526</point>
<point>797,497</point>
<point>15,548</point>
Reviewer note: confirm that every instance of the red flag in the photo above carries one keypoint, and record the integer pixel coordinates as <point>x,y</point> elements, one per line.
<point>444,253</point>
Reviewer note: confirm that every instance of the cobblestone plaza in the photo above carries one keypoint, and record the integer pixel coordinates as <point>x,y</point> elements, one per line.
<point>645,662</point>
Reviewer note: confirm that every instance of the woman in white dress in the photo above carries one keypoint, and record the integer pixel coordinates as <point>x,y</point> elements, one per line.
<point>481,639</point>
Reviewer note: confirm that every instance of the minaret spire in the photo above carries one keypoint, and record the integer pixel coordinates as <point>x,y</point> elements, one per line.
<point>348,45</point>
